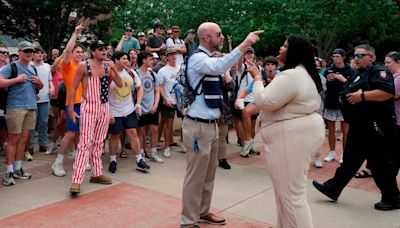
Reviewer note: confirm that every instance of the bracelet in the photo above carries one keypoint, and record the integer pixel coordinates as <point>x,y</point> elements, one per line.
<point>362,96</point>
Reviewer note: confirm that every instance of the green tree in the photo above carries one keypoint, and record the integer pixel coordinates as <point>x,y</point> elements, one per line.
<point>49,21</point>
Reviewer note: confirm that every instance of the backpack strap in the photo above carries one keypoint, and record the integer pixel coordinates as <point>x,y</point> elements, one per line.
<point>153,76</point>
<point>14,70</point>
<point>132,75</point>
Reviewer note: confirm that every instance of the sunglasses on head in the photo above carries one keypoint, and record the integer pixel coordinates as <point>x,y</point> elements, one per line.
<point>28,51</point>
<point>4,52</point>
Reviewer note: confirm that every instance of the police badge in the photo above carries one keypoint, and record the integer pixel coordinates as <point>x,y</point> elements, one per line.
<point>383,75</point>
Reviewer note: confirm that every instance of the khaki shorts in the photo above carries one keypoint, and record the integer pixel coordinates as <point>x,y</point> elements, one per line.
<point>19,119</point>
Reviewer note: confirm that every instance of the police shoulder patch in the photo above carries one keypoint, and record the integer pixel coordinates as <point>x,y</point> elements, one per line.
<point>383,75</point>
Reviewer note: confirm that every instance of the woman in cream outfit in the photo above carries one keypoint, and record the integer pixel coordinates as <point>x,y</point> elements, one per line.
<point>291,128</point>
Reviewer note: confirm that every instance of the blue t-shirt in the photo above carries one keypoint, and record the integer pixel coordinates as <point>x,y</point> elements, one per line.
<point>20,95</point>
<point>129,44</point>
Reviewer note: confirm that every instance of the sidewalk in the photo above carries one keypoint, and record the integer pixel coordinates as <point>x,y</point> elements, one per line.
<point>243,195</point>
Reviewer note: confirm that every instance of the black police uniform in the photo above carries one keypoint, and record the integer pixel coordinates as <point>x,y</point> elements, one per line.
<point>371,136</point>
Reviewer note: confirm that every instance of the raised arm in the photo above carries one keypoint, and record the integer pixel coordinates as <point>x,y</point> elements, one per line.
<point>71,43</point>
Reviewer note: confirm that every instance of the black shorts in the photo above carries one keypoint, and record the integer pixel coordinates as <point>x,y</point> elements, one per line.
<point>54,103</point>
<point>146,119</point>
<point>127,122</point>
<point>168,112</point>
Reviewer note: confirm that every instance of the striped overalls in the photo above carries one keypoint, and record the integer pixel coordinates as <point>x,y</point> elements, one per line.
<point>93,125</point>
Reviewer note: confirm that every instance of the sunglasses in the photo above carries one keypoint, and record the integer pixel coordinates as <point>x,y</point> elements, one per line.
<point>360,56</point>
<point>4,52</point>
<point>169,34</point>
<point>28,51</point>
<point>218,34</point>
<point>102,48</point>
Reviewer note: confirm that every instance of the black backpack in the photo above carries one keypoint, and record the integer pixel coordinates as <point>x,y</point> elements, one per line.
<point>4,91</point>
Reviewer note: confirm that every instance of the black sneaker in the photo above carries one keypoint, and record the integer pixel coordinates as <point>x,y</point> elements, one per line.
<point>20,174</point>
<point>8,179</point>
<point>113,167</point>
<point>254,152</point>
<point>142,166</point>
<point>223,163</point>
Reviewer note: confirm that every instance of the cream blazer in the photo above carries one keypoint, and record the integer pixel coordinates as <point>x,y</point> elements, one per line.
<point>291,94</point>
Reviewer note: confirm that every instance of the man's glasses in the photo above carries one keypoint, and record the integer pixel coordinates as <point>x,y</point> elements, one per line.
<point>4,52</point>
<point>219,34</point>
<point>360,56</point>
<point>102,49</point>
<point>169,33</point>
<point>28,51</point>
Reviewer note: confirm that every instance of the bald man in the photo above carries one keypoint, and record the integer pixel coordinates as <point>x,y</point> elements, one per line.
<point>200,126</point>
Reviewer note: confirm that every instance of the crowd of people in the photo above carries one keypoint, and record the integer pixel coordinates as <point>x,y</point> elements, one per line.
<point>126,95</point>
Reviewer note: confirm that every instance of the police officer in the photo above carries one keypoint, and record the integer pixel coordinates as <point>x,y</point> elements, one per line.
<point>200,126</point>
<point>367,105</point>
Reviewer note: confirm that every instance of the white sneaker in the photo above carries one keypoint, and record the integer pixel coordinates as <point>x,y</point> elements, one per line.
<point>156,158</point>
<point>341,159</point>
<point>52,148</point>
<point>88,167</point>
<point>318,163</point>
<point>72,154</point>
<point>167,152</point>
<point>58,169</point>
<point>246,148</point>
<point>331,156</point>
<point>181,146</point>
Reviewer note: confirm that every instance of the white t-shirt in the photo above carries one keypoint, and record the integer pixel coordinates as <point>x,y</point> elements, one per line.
<point>167,76</point>
<point>44,73</point>
<point>177,43</point>
<point>247,79</point>
<point>120,99</point>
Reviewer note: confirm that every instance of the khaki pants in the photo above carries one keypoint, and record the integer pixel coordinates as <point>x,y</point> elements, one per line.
<point>223,132</point>
<point>200,172</point>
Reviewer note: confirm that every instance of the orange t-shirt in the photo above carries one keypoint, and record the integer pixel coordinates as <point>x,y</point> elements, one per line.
<point>68,73</point>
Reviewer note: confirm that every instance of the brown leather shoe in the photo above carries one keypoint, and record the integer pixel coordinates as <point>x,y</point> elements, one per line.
<point>212,219</point>
<point>101,180</point>
<point>75,189</point>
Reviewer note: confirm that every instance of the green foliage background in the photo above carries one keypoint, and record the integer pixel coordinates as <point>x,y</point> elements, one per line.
<point>329,23</point>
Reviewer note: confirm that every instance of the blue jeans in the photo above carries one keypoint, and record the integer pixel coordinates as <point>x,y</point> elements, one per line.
<point>42,117</point>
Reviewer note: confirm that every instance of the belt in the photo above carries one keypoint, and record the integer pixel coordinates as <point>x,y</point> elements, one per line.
<point>202,120</point>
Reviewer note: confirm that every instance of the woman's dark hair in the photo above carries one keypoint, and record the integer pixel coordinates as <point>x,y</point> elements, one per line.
<point>301,51</point>
<point>395,55</point>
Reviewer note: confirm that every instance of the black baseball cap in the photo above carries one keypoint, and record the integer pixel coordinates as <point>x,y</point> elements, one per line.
<point>97,44</point>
